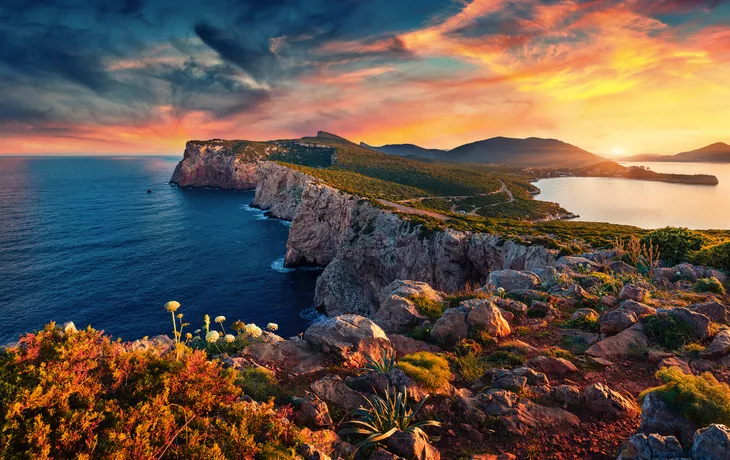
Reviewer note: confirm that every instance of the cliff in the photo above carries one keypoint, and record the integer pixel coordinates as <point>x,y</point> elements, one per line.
<point>365,248</point>
<point>211,164</point>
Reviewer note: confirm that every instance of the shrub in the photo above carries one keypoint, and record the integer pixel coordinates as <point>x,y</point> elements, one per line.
<point>674,243</point>
<point>506,358</point>
<point>670,332</point>
<point>422,333</point>
<point>259,383</point>
<point>584,323</point>
<point>426,306</point>
<point>693,350</point>
<point>465,346</point>
<point>715,256</point>
<point>82,395</point>
<point>428,369</point>
<point>383,417</point>
<point>470,366</point>
<point>709,285</point>
<point>383,364</point>
<point>701,399</point>
<point>575,344</point>
<point>557,352</point>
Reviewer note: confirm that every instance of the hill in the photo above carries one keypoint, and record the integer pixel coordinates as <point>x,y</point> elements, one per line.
<point>719,152</point>
<point>409,151</point>
<point>532,152</point>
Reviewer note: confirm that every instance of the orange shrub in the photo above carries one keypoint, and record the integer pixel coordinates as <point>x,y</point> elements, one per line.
<point>85,396</point>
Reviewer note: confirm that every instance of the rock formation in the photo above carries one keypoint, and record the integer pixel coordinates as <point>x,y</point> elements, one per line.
<point>211,164</point>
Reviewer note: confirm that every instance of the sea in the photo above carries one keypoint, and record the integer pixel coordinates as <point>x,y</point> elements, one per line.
<point>106,241</point>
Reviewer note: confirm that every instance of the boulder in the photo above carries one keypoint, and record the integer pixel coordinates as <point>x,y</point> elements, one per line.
<point>652,447</point>
<point>711,443</point>
<point>621,344</point>
<point>533,378</point>
<point>621,267</point>
<point>485,316</point>
<point>714,310</point>
<point>638,308</point>
<point>700,323</point>
<point>601,399</point>
<point>675,362</point>
<point>409,445</point>
<point>512,280</point>
<point>575,263</point>
<point>404,345</point>
<point>451,327</point>
<point>587,313</point>
<point>397,312</point>
<point>334,390</point>
<point>719,347</point>
<point>616,321</point>
<point>382,454</point>
<point>294,356</point>
<point>314,412</point>
<point>516,307</point>
<point>657,418</point>
<point>551,365</point>
<point>633,292</point>
<point>349,337</point>
<point>569,396</point>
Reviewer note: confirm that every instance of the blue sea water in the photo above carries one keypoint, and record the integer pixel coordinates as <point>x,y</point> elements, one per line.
<point>81,240</point>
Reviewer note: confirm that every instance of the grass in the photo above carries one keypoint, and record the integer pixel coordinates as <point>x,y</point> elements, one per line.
<point>427,306</point>
<point>584,323</point>
<point>470,366</point>
<point>505,358</point>
<point>428,369</point>
<point>701,399</point>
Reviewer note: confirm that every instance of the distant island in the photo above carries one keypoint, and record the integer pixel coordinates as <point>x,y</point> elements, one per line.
<point>719,152</point>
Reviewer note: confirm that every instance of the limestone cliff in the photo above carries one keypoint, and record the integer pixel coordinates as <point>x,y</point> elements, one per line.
<point>211,164</point>
<point>365,247</point>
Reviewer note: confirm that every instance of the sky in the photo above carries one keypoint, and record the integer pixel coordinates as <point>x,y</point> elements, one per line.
<point>142,77</point>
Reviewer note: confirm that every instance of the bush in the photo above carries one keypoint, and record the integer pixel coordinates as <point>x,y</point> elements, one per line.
<point>717,256</point>
<point>670,332</point>
<point>82,395</point>
<point>258,383</point>
<point>427,307</point>
<point>557,352</point>
<point>709,285</point>
<point>674,243</point>
<point>506,358</point>
<point>428,369</point>
<point>701,399</point>
<point>584,323</point>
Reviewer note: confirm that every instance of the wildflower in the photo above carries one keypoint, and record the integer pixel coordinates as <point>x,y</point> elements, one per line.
<point>198,331</point>
<point>272,327</point>
<point>678,273</point>
<point>212,336</point>
<point>220,319</point>
<point>172,306</point>
<point>188,336</point>
<point>238,325</point>
<point>179,316</point>
<point>500,290</point>
<point>253,330</point>
<point>230,338</point>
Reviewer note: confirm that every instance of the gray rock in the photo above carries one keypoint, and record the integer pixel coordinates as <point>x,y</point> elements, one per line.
<point>621,267</point>
<point>638,308</point>
<point>516,307</point>
<point>511,280</point>
<point>405,345</point>
<point>349,337</point>
<point>334,390</point>
<point>569,396</point>
<point>657,418</point>
<point>485,316</point>
<point>719,347</point>
<point>633,292</point>
<point>622,344</point>
<point>601,399</point>
<point>410,445</point>
<point>616,321</point>
<point>576,263</point>
<point>551,365</point>
<point>397,312</point>
<point>652,447</point>
<point>711,443</point>
<point>451,327</point>
<point>588,313</point>
<point>714,310</point>
<point>700,323</point>
<point>314,412</point>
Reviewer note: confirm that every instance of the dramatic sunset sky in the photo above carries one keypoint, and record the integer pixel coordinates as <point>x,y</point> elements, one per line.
<point>144,76</point>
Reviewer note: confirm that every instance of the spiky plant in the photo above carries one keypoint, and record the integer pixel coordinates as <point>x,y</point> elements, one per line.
<point>382,364</point>
<point>383,417</point>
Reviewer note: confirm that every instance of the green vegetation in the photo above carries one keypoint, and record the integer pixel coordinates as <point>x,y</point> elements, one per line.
<point>428,369</point>
<point>427,306</point>
<point>674,243</point>
<point>469,365</point>
<point>259,383</point>
<point>382,364</point>
<point>701,399</point>
<point>709,285</point>
<point>714,256</point>
<point>383,417</point>
<point>82,395</point>
<point>668,331</point>
<point>584,323</point>
<point>506,358</point>
<point>557,352</point>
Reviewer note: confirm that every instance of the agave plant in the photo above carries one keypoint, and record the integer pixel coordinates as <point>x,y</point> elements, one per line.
<point>383,417</point>
<point>383,364</point>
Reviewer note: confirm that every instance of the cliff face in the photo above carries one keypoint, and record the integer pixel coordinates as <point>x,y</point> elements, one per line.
<point>365,248</point>
<point>211,165</point>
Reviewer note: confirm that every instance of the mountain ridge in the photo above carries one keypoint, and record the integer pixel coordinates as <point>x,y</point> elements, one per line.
<point>718,152</point>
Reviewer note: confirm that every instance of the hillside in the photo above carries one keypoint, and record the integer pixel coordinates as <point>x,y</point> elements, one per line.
<point>409,151</point>
<point>719,152</point>
<point>532,152</point>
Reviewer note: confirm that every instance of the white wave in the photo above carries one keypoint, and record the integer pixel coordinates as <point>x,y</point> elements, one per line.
<point>285,223</point>
<point>312,315</point>
<point>278,265</point>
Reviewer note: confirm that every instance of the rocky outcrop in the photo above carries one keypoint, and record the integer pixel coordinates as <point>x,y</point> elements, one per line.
<point>212,164</point>
<point>398,312</point>
<point>351,338</point>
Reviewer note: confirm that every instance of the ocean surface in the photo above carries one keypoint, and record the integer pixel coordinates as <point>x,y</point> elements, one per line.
<point>646,204</point>
<point>81,240</point>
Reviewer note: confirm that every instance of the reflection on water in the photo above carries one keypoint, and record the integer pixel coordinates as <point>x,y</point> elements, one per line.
<point>646,204</point>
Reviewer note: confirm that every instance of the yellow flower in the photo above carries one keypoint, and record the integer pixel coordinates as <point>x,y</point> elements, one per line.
<point>188,336</point>
<point>229,338</point>
<point>172,306</point>
<point>238,325</point>
<point>212,336</point>
<point>179,316</point>
<point>272,327</point>
<point>253,330</point>
<point>220,319</point>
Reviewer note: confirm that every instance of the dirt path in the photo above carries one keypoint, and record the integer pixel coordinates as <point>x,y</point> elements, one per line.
<point>502,190</point>
<point>410,210</point>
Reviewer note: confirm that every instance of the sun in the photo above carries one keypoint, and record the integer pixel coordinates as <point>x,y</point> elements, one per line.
<point>617,151</point>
